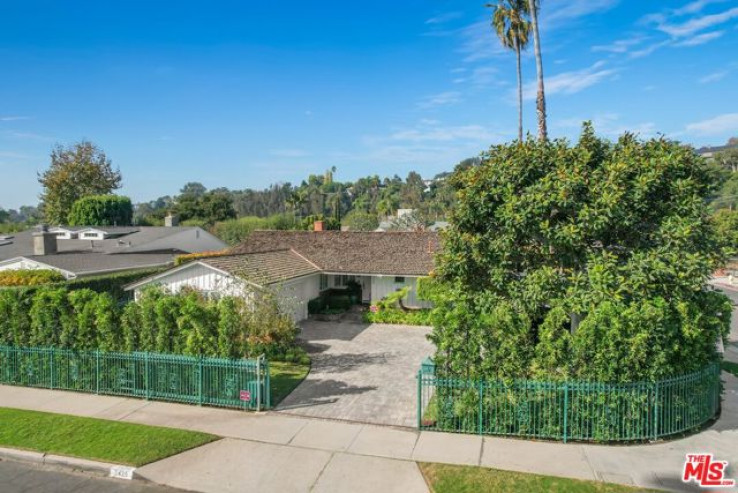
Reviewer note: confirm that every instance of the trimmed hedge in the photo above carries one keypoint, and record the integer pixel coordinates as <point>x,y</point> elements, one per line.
<point>330,301</point>
<point>29,277</point>
<point>180,324</point>
<point>110,283</point>
<point>396,316</point>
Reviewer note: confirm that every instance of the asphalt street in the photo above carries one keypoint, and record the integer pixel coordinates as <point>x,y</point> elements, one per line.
<point>17,477</point>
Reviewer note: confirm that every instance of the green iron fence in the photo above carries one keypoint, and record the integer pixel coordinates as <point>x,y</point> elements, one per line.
<point>242,384</point>
<point>585,411</point>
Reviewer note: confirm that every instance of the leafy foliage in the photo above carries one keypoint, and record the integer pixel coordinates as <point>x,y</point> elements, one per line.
<point>30,277</point>
<point>361,221</point>
<point>185,323</point>
<point>102,210</point>
<point>585,261</point>
<point>76,171</point>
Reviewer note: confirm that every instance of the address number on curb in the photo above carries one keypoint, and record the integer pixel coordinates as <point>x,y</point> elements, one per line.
<point>122,472</point>
<point>245,395</point>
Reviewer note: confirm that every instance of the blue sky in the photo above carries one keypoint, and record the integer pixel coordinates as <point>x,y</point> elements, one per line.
<point>244,94</point>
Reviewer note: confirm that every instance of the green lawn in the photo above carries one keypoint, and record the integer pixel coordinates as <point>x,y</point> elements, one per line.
<point>444,478</point>
<point>89,438</point>
<point>730,367</point>
<point>285,377</point>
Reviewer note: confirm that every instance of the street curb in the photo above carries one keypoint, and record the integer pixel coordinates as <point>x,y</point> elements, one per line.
<point>96,468</point>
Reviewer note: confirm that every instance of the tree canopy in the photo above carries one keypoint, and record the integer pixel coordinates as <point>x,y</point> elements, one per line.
<point>586,261</point>
<point>102,210</point>
<point>76,171</point>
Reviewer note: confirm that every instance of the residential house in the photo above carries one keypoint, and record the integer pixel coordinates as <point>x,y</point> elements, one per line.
<point>85,251</point>
<point>299,265</point>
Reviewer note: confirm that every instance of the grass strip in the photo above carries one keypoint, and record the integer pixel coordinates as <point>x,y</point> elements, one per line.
<point>96,439</point>
<point>443,478</point>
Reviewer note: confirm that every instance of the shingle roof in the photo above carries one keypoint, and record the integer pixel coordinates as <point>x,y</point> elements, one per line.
<point>92,263</point>
<point>131,248</point>
<point>354,252</point>
<point>265,267</point>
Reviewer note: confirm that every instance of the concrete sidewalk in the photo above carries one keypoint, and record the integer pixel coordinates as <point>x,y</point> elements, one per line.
<point>273,452</point>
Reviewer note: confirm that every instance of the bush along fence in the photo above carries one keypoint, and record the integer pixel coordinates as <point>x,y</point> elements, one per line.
<point>242,384</point>
<point>584,411</point>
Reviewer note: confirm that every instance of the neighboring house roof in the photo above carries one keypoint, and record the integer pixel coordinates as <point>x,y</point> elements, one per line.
<point>353,252</point>
<point>96,263</point>
<point>124,248</point>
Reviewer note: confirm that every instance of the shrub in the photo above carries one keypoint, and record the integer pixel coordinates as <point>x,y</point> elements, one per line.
<point>396,316</point>
<point>102,210</point>
<point>29,277</point>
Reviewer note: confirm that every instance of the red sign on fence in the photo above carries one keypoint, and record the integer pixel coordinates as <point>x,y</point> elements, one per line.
<point>245,395</point>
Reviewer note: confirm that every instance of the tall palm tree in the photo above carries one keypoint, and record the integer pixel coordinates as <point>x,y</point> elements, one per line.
<point>533,7</point>
<point>513,28</point>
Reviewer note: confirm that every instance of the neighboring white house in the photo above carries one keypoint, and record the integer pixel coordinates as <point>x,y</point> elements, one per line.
<point>85,251</point>
<point>298,265</point>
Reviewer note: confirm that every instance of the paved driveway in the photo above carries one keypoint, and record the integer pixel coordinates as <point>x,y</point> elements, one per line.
<point>363,373</point>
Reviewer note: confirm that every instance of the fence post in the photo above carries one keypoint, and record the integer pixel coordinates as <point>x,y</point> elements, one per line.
<point>258,382</point>
<point>566,409</point>
<point>199,381</point>
<point>268,385</point>
<point>51,369</point>
<point>656,411</point>
<point>481,407</point>
<point>97,371</point>
<point>146,375</point>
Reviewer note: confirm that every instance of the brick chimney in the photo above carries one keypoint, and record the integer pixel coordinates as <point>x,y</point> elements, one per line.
<point>319,226</point>
<point>44,242</point>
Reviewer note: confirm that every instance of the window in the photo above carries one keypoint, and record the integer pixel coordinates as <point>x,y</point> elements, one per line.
<point>344,280</point>
<point>90,235</point>
<point>323,282</point>
<point>399,280</point>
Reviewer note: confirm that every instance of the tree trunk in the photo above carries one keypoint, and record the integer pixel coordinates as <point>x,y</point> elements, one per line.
<point>541,98</point>
<point>520,94</point>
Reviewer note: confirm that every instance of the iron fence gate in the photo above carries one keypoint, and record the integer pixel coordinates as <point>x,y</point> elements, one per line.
<point>242,384</point>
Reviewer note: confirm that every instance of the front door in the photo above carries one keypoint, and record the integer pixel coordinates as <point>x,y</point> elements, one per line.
<point>366,289</point>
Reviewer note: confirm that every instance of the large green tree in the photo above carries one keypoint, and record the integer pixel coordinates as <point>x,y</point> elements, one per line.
<point>76,171</point>
<point>587,261</point>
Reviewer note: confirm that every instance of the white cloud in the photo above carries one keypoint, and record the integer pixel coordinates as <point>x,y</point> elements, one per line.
<point>713,77</point>
<point>570,82</point>
<point>479,42</point>
<point>30,136</point>
<point>441,99</point>
<point>609,125</point>
<point>13,118</point>
<point>445,134</point>
<point>649,49</point>
<point>718,125</point>
<point>291,153</point>
<point>428,143</point>
<point>444,18</point>
<point>693,25</point>
<point>694,7</point>
<point>700,39</point>
<point>621,45</point>
<point>573,9</point>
